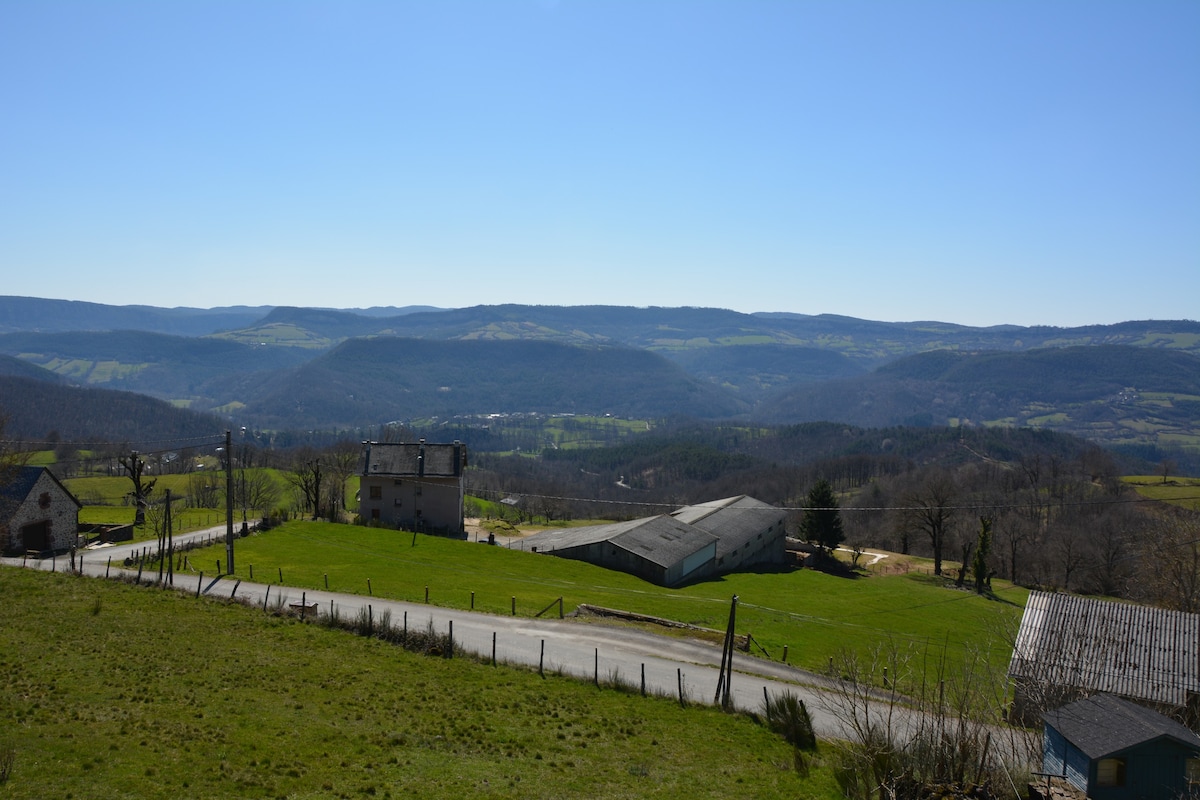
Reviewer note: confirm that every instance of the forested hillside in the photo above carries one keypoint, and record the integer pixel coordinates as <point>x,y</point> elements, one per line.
<point>367,381</point>
<point>36,408</point>
<point>1117,395</point>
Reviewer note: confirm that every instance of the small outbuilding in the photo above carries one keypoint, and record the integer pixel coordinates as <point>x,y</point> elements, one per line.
<point>1112,749</point>
<point>37,513</point>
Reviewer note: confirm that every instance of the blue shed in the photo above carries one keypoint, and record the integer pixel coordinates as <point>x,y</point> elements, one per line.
<point>1112,749</point>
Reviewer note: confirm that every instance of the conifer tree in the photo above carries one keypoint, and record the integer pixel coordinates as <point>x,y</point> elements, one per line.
<point>822,521</point>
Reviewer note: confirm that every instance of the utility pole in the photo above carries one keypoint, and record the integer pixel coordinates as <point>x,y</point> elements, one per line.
<point>229,502</point>
<point>726,677</point>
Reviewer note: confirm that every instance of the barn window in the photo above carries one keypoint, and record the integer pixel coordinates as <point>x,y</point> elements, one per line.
<point>376,492</point>
<point>374,513</point>
<point>1110,772</point>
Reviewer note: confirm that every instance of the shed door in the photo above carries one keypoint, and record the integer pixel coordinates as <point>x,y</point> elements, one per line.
<point>36,536</point>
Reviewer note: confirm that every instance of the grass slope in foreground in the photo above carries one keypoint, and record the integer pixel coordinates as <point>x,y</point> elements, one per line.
<point>816,615</point>
<point>117,691</point>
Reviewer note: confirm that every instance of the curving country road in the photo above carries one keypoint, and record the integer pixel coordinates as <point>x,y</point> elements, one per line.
<point>572,647</point>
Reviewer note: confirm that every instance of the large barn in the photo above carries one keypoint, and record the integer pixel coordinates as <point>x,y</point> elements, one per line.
<point>689,543</point>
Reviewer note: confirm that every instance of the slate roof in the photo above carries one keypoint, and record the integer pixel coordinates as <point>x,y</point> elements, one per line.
<point>1104,646</point>
<point>1103,725</point>
<point>18,486</point>
<point>414,459</point>
<point>735,520</point>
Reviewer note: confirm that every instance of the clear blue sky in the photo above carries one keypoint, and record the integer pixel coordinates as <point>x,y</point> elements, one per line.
<point>970,161</point>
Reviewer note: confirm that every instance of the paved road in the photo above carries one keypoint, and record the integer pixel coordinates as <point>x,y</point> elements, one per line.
<point>571,647</point>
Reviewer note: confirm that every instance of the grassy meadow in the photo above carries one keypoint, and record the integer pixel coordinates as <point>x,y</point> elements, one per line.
<point>814,614</point>
<point>1178,491</point>
<point>117,691</point>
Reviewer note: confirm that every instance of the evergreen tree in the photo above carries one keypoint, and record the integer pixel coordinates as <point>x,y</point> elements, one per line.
<point>822,521</point>
<point>982,551</point>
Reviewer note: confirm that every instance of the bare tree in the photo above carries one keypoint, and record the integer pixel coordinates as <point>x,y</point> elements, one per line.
<point>929,508</point>
<point>135,467</point>
<point>306,475</point>
<point>1173,569</point>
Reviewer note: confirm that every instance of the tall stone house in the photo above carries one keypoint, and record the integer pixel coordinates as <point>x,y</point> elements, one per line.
<point>415,486</point>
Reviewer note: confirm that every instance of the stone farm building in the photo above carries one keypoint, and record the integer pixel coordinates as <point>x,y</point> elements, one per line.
<point>414,486</point>
<point>37,513</point>
<point>687,544</point>
<point>1069,647</point>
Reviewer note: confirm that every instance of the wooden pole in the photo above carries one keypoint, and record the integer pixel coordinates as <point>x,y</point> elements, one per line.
<point>229,501</point>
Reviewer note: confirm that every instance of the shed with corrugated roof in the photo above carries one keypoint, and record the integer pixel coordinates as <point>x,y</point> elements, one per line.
<point>1068,646</point>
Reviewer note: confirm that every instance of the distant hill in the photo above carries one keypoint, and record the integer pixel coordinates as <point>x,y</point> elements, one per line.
<point>169,367</point>
<point>1111,394</point>
<point>49,316</point>
<point>288,367</point>
<point>368,381</point>
<point>37,407</point>
<point>19,368</point>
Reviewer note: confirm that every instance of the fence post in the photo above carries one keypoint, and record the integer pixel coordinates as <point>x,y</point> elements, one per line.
<point>514,605</point>
<point>493,648</point>
<point>679,676</point>
<point>643,679</point>
<point>107,568</point>
<point>450,642</point>
<point>426,594</point>
<point>542,660</point>
<point>235,588</point>
<point>199,583</point>
<point>369,592</point>
<point>596,668</point>
<point>472,601</point>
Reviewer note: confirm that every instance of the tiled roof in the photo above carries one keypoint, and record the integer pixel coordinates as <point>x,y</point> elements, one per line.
<point>1104,725</point>
<point>1105,646</point>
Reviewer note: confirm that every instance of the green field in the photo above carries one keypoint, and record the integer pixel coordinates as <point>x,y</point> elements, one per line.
<point>1183,492</point>
<point>816,615</point>
<point>117,691</point>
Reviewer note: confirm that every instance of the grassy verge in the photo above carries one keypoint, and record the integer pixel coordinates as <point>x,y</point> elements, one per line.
<point>120,692</point>
<point>814,614</point>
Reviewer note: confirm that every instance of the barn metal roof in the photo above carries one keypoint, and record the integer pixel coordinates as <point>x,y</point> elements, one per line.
<point>735,520</point>
<point>414,459</point>
<point>659,540</point>
<point>1104,646</point>
<point>1103,725</point>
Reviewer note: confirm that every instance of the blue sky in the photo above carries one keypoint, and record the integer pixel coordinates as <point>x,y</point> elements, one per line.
<point>968,161</point>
